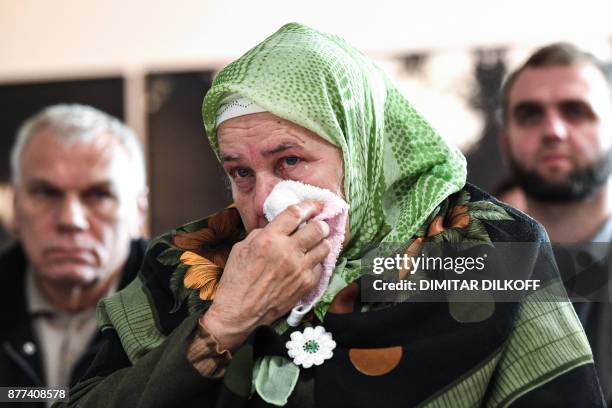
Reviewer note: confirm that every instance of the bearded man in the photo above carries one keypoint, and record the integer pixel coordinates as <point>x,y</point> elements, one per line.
<point>557,136</point>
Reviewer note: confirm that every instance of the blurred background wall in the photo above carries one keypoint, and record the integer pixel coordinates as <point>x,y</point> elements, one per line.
<point>150,63</point>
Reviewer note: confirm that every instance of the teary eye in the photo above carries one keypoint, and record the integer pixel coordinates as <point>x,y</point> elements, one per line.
<point>291,160</point>
<point>240,172</point>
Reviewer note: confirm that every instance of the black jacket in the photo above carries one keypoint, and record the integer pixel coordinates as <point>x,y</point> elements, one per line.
<point>585,269</point>
<point>20,360</point>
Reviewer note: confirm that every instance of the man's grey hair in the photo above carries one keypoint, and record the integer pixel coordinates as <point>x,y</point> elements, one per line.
<point>72,123</point>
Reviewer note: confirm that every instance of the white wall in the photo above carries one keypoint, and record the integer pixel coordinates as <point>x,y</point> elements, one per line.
<point>42,39</point>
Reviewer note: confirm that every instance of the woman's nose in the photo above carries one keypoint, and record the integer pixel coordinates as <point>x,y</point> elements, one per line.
<point>264,184</point>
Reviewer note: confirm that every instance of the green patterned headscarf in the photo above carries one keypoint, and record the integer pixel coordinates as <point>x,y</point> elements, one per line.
<point>397,169</point>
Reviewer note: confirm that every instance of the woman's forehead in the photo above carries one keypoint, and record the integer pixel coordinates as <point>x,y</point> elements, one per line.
<point>265,129</point>
<point>241,144</point>
<point>255,123</point>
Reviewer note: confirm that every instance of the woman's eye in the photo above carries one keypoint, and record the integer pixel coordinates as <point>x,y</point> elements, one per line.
<point>241,172</point>
<point>291,160</point>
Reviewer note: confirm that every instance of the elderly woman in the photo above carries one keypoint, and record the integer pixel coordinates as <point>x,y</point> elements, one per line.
<point>205,322</point>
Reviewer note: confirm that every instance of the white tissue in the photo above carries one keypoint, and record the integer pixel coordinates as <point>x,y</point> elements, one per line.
<point>334,213</point>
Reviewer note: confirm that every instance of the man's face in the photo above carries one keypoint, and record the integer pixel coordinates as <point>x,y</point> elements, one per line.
<point>260,150</point>
<point>559,131</point>
<point>77,206</point>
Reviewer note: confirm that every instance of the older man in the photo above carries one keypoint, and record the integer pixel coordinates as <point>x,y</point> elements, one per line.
<point>557,116</point>
<point>80,203</point>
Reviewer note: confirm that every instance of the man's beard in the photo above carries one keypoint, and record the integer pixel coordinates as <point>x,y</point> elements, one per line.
<point>578,185</point>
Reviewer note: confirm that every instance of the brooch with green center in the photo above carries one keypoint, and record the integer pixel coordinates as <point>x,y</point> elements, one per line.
<point>311,347</point>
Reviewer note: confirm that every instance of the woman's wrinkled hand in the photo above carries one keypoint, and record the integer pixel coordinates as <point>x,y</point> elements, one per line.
<point>267,274</point>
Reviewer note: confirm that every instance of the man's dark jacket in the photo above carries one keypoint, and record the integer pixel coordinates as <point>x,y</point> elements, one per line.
<point>21,364</point>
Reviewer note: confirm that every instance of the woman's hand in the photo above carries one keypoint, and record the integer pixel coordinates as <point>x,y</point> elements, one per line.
<point>267,274</point>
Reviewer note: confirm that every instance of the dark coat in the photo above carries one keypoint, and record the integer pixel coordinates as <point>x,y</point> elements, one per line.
<point>20,360</point>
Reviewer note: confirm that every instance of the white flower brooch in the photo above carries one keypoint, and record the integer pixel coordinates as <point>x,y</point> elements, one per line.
<point>310,347</point>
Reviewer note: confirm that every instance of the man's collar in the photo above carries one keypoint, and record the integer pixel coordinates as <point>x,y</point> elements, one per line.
<point>604,234</point>
<point>36,301</point>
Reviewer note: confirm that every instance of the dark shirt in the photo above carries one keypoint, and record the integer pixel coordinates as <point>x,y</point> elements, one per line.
<point>585,269</point>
